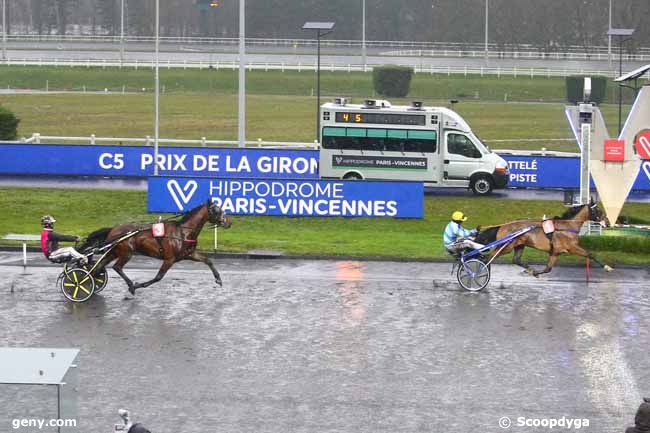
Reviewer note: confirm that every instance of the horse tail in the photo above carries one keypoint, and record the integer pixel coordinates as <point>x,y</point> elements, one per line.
<point>488,235</point>
<point>96,238</point>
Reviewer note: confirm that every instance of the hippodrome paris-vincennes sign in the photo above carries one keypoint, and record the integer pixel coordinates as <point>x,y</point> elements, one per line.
<point>289,197</point>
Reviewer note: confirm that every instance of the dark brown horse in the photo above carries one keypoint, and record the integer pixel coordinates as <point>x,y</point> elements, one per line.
<point>564,239</point>
<point>178,243</point>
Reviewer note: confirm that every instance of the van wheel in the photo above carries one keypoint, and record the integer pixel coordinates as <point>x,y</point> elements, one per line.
<point>352,176</point>
<point>482,185</point>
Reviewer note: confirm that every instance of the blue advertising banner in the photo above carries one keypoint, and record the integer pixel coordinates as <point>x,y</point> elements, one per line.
<point>289,197</point>
<point>543,172</point>
<point>137,161</point>
<point>557,172</point>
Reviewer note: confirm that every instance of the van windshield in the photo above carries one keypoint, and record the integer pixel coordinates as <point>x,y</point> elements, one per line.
<point>481,144</point>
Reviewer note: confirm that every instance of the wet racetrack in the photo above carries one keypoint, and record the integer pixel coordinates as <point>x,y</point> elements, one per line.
<point>326,346</point>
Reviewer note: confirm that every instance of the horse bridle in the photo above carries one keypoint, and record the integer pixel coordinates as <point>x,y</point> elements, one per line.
<point>592,212</point>
<point>213,215</point>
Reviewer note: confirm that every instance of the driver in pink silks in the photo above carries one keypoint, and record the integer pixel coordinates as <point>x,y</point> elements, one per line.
<point>50,242</point>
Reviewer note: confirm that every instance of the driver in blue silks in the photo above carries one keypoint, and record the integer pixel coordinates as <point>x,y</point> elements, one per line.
<point>456,238</point>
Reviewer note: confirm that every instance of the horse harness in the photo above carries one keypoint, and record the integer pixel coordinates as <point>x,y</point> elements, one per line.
<point>188,242</point>
<point>548,226</point>
<point>159,233</point>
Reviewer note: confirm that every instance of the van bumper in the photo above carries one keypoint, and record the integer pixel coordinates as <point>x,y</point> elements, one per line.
<point>500,179</point>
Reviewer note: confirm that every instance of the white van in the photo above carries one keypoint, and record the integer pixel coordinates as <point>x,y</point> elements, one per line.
<point>434,145</point>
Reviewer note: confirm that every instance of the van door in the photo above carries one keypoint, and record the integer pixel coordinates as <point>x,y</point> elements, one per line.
<point>461,159</point>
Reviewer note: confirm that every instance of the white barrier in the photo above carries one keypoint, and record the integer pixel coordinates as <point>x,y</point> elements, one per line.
<point>298,66</point>
<point>24,238</point>
<point>37,138</point>
<point>446,49</point>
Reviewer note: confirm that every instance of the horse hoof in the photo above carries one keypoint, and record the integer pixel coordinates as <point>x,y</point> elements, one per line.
<point>608,268</point>
<point>129,295</point>
<point>218,281</point>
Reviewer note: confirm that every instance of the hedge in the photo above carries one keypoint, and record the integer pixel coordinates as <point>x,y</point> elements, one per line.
<point>575,87</point>
<point>8,124</point>
<point>392,80</point>
<point>629,244</point>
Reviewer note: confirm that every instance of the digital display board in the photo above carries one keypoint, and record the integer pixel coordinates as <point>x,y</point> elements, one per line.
<point>381,118</point>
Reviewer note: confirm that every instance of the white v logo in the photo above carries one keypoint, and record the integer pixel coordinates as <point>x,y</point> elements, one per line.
<point>181,196</point>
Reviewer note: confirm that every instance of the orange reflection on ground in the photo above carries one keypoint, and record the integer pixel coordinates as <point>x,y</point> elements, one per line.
<point>349,271</point>
<point>351,296</point>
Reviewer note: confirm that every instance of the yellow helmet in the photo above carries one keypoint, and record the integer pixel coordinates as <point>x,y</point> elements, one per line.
<point>458,216</point>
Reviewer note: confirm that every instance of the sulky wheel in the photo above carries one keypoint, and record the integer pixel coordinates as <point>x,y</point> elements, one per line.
<point>473,275</point>
<point>77,285</point>
<point>100,277</point>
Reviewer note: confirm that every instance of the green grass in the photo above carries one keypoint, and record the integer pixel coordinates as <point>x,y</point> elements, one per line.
<point>79,212</point>
<point>638,244</point>
<point>280,105</point>
<point>282,118</point>
<point>290,83</point>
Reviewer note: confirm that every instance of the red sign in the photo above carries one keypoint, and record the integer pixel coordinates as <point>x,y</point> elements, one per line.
<point>614,150</point>
<point>642,144</point>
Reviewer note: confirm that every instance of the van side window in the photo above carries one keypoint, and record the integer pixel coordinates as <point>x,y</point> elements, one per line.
<point>379,140</point>
<point>421,141</point>
<point>459,144</point>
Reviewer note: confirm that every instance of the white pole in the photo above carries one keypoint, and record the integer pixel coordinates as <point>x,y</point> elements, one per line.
<point>585,137</point>
<point>122,33</point>
<point>242,73</point>
<point>4,30</point>
<point>157,92</point>
<point>609,37</point>
<point>486,30</point>
<point>363,41</point>
<point>216,243</point>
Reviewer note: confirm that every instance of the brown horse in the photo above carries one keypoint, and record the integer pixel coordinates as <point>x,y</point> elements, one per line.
<point>564,239</point>
<point>179,242</point>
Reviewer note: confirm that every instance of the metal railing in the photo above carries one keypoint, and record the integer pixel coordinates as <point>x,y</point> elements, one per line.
<point>519,55</point>
<point>341,43</point>
<point>542,152</point>
<point>302,66</point>
<point>382,48</point>
<point>37,138</point>
<point>92,139</point>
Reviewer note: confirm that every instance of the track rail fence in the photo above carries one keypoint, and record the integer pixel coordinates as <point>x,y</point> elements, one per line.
<point>566,51</point>
<point>37,138</point>
<point>302,66</point>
